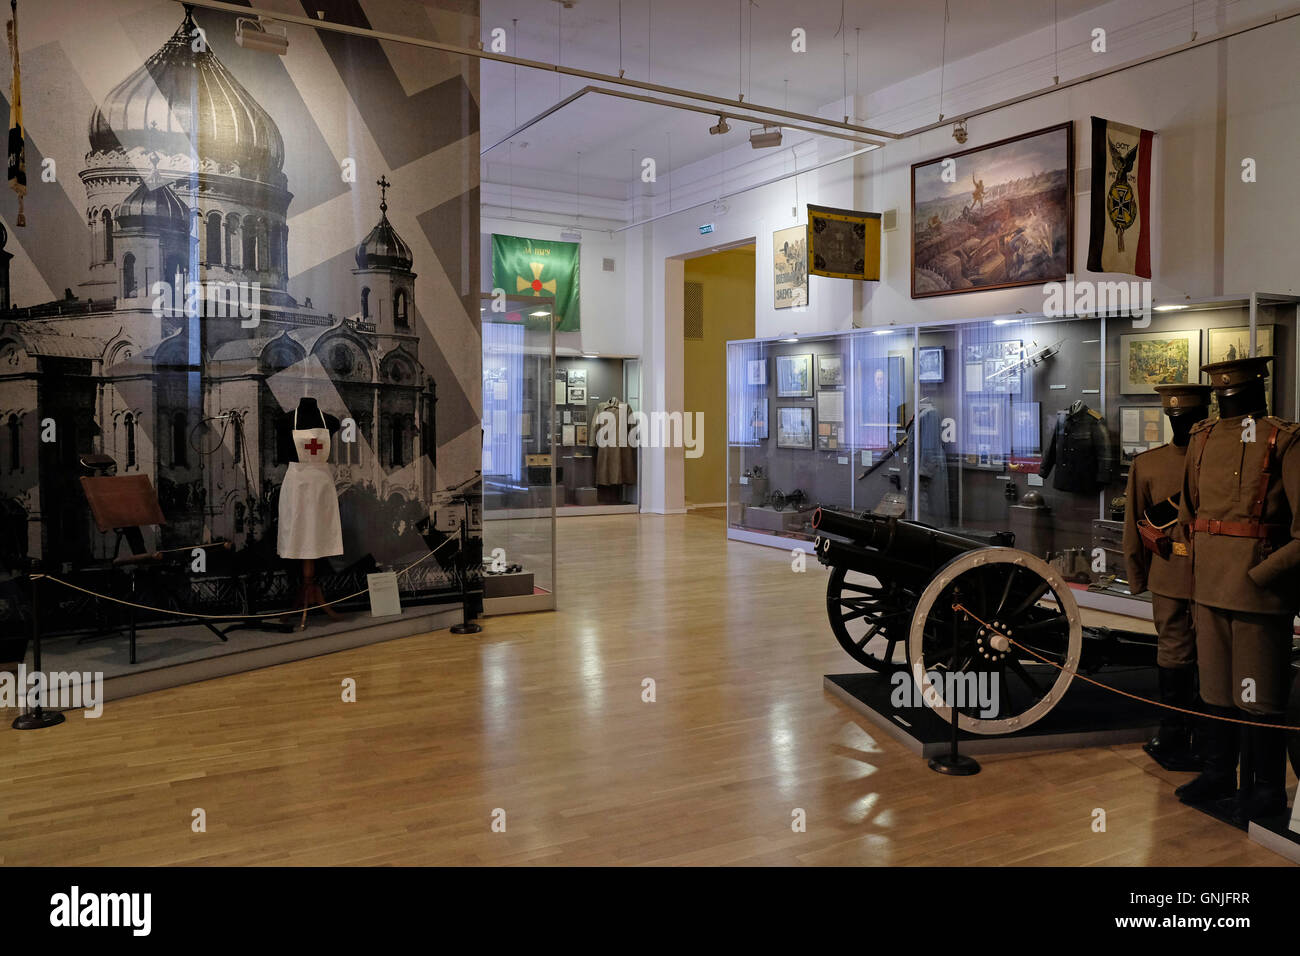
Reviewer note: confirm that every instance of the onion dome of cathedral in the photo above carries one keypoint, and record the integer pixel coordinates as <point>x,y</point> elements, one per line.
<point>155,206</point>
<point>383,248</point>
<point>184,101</point>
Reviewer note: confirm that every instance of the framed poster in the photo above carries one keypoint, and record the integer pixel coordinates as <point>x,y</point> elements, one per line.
<point>881,400</point>
<point>758,419</point>
<point>988,436</point>
<point>578,376</point>
<point>829,437</point>
<point>1026,430</point>
<point>830,406</point>
<point>929,365</point>
<point>577,394</point>
<point>756,372</point>
<point>1148,359</point>
<point>994,367</point>
<point>1009,205</point>
<point>794,376</point>
<point>580,434</point>
<point>794,427</point>
<point>843,243</point>
<point>790,267</point>
<point>1224,345</point>
<point>830,371</point>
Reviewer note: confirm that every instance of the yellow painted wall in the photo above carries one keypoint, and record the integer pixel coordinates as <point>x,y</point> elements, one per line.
<point>728,280</point>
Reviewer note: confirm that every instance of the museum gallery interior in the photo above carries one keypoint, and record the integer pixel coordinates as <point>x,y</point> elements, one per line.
<point>626,432</point>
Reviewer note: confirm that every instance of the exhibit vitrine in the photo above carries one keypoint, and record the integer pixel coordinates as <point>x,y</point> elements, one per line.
<point>1026,423</point>
<point>592,478</point>
<point>519,445</point>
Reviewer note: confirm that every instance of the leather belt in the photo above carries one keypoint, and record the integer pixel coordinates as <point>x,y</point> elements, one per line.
<point>1237,529</point>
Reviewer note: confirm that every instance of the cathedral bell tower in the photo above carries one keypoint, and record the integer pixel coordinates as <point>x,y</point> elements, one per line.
<point>385,281</point>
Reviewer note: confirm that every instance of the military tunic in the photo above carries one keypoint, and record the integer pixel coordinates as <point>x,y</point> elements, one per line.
<point>1246,583</point>
<point>1154,476</point>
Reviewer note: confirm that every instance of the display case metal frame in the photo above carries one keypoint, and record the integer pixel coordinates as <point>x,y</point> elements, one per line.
<point>1118,603</point>
<point>545,601</point>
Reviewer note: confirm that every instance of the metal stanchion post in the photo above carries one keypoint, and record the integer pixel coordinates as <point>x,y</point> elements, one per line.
<point>35,718</point>
<point>467,625</point>
<point>953,763</point>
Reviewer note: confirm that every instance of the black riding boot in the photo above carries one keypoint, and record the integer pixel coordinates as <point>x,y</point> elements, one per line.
<point>1263,772</point>
<point>1171,747</point>
<point>1218,779</point>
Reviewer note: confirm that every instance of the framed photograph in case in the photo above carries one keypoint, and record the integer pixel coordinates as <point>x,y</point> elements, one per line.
<point>794,376</point>
<point>929,365</point>
<point>756,372</point>
<point>758,419</point>
<point>830,371</point>
<point>794,427</point>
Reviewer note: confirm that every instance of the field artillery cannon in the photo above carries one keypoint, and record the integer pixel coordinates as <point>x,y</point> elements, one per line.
<point>968,604</point>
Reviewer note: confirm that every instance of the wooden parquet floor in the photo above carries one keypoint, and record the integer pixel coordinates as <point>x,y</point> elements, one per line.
<point>542,716</point>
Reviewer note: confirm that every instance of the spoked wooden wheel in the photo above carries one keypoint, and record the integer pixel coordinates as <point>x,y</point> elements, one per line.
<point>869,617</point>
<point>991,598</point>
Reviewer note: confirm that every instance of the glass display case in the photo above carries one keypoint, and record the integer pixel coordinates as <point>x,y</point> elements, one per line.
<point>519,444</point>
<point>960,425</point>
<point>590,479</point>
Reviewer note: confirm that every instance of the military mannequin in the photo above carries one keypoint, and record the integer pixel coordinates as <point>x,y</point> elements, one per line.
<point>1155,551</point>
<point>1241,502</point>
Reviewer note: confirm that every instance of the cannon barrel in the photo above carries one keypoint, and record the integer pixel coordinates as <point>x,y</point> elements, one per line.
<point>904,540</point>
<point>840,554</point>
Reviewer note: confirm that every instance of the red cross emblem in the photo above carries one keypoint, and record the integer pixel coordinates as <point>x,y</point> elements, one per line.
<point>313,446</point>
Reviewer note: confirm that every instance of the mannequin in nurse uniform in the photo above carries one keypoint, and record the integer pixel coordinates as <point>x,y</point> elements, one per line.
<point>309,507</point>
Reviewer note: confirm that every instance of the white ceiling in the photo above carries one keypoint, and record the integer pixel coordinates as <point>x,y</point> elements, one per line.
<point>697,44</point>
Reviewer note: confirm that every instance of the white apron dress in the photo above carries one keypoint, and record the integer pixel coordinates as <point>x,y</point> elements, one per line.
<point>309,504</point>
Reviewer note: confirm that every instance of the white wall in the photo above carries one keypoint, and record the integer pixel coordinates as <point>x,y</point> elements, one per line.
<point>607,325</point>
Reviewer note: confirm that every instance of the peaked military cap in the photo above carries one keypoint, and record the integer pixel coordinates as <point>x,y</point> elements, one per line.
<point>1237,372</point>
<point>1176,397</point>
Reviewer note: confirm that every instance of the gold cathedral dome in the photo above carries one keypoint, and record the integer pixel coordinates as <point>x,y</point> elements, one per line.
<point>184,101</point>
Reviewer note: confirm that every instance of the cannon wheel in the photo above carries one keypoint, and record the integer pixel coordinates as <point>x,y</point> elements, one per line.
<point>869,617</point>
<point>995,593</point>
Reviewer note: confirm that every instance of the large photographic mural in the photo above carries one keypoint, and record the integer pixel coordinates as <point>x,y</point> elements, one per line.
<point>214,233</point>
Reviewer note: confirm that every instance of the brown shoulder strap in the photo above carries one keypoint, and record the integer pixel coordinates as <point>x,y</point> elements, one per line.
<point>1200,452</point>
<point>1257,511</point>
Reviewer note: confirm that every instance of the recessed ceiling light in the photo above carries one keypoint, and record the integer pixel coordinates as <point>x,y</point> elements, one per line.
<point>539,314</point>
<point>793,338</point>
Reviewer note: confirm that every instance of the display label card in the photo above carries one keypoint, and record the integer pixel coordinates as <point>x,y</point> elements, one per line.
<point>844,461</point>
<point>384,599</point>
<point>744,480</point>
<point>1035,481</point>
<point>866,457</point>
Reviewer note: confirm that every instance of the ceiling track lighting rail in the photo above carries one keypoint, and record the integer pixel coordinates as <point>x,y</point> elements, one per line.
<point>245,11</point>
<point>657,101</point>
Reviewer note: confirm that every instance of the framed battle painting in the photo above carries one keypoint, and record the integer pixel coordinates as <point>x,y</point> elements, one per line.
<point>995,216</point>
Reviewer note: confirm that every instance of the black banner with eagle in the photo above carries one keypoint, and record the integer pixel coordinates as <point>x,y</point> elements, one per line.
<point>1119,238</point>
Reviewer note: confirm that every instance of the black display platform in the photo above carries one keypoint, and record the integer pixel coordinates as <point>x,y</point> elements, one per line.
<point>1276,834</point>
<point>1087,716</point>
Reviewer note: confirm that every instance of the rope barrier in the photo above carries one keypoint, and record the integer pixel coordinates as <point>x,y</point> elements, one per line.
<point>228,617</point>
<point>1116,690</point>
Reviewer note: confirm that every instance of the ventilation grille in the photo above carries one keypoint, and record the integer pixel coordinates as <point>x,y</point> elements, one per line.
<point>607,265</point>
<point>693,320</point>
<point>889,220</point>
